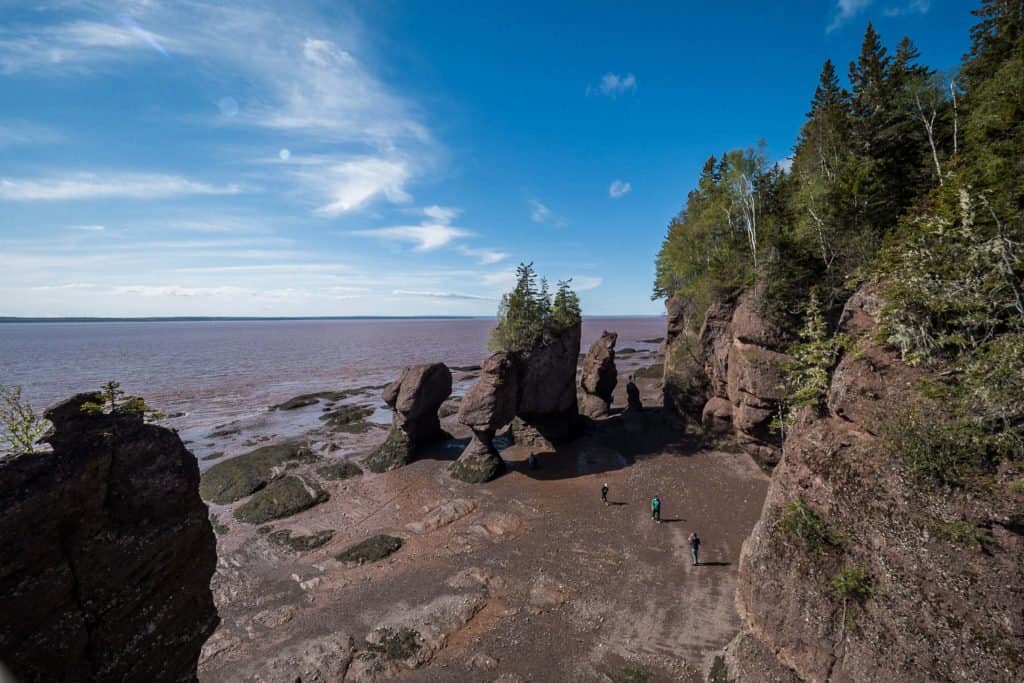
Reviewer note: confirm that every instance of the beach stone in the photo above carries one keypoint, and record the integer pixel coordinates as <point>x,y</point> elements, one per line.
<point>599,375</point>
<point>415,397</point>
<point>241,476</point>
<point>107,553</point>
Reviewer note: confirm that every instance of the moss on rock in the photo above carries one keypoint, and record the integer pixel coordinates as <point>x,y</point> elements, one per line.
<point>395,452</point>
<point>348,418</point>
<point>372,549</point>
<point>239,477</point>
<point>339,470</point>
<point>284,537</point>
<point>282,498</point>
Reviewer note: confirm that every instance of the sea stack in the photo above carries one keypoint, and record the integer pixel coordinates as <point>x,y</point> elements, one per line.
<point>415,397</point>
<point>599,376</point>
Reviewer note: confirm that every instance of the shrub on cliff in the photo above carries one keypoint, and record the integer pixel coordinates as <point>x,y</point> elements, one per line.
<point>113,401</point>
<point>22,428</point>
<point>528,316</point>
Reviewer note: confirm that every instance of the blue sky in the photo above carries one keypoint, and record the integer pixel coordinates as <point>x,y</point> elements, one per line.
<point>386,158</point>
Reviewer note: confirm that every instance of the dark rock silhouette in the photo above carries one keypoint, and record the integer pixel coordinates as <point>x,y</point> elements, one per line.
<point>599,376</point>
<point>416,396</point>
<point>107,553</point>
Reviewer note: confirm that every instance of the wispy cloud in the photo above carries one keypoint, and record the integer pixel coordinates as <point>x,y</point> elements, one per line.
<point>582,283</point>
<point>540,213</point>
<point>74,47</point>
<point>24,133</point>
<point>619,189</point>
<point>911,7</point>
<point>441,295</point>
<point>846,10</point>
<point>87,228</point>
<point>425,237</point>
<point>352,184</point>
<point>107,186</point>
<point>612,85</point>
<point>486,257</point>
<point>441,214</point>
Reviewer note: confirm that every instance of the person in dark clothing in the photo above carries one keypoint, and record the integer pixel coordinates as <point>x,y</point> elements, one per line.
<point>656,509</point>
<point>694,540</point>
<point>604,493</point>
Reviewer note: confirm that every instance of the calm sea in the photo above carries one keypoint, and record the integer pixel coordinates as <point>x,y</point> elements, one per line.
<point>219,370</point>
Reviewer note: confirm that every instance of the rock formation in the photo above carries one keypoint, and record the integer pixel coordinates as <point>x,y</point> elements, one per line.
<point>729,376</point>
<point>107,553</point>
<point>415,397</point>
<point>633,403</point>
<point>488,405</point>
<point>536,388</point>
<point>938,586</point>
<point>599,376</point>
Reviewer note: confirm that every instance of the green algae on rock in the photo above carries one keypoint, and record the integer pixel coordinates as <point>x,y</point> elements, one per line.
<point>239,477</point>
<point>281,498</point>
<point>372,549</point>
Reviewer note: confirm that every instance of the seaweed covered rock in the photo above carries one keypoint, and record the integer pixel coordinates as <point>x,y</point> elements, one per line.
<point>415,397</point>
<point>283,497</point>
<point>373,549</point>
<point>239,477</point>
<point>599,376</point>
<point>300,542</point>
<point>107,553</point>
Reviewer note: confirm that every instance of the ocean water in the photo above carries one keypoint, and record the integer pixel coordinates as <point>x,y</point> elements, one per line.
<point>215,371</point>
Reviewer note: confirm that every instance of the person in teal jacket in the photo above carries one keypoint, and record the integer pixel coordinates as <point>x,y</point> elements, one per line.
<point>656,509</point>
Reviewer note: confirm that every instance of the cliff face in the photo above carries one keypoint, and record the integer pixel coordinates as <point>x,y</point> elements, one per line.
<point>729,376</point>
<point>941,590</point>
<point>107,554</point>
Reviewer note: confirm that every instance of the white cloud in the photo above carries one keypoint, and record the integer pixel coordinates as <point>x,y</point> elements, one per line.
<point>441,214</point>
<point>911,7</point>
<point>87,228</point>
<point>116,185</point>
<point>486,257</point>
<point>74,47</point>
<point>352,184</point>
<point>426,237</point>
<point>440,295</point>
<point>619,189</point>
<point>845,10</point>
<point>612,85</point>
<point>785,163</point>
<point>582,283</point>
<point>538,212</point>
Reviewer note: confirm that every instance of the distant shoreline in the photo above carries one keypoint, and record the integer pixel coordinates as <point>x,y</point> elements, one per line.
<point>190,319</point>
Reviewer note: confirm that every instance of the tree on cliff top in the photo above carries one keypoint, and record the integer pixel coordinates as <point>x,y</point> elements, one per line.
<point>528,317</point>
<point>20,427</point>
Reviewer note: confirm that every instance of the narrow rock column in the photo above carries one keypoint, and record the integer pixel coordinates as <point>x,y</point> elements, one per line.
<point>599,376</point>
<point>415,397</point>
<point>488,405</point>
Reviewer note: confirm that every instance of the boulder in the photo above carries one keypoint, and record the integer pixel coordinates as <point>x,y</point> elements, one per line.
<point>415,397</point>
<point>547,408</point>
<point>107,553</point>
<point>599,376</point>
<point>717,416</point>
<point>633,402</point>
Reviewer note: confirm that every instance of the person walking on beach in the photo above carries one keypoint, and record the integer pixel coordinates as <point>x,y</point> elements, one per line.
<point>694,540</point>
<point>656,509</point>
<point>604,493</point>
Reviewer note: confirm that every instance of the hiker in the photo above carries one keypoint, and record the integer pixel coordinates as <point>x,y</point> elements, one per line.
<point>656,509</point>
<point>694,540</point>
<point>604,493</point>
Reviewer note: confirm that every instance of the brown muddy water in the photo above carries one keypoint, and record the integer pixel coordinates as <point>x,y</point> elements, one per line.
<point>213,372</point>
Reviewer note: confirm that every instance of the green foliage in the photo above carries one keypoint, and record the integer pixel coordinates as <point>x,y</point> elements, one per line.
<point>959,532</point>
<point>853,582</point>
<point>719,673</point>
<point>630,674</point>
<point>113,401</point>
<point>528,317</point>
<point>934,448</point>
<point>803,524</point>
<point>806,377</point>
<point>22,428</point>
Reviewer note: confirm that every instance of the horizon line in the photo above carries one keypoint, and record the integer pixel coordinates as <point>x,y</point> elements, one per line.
<point>227,318</point>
